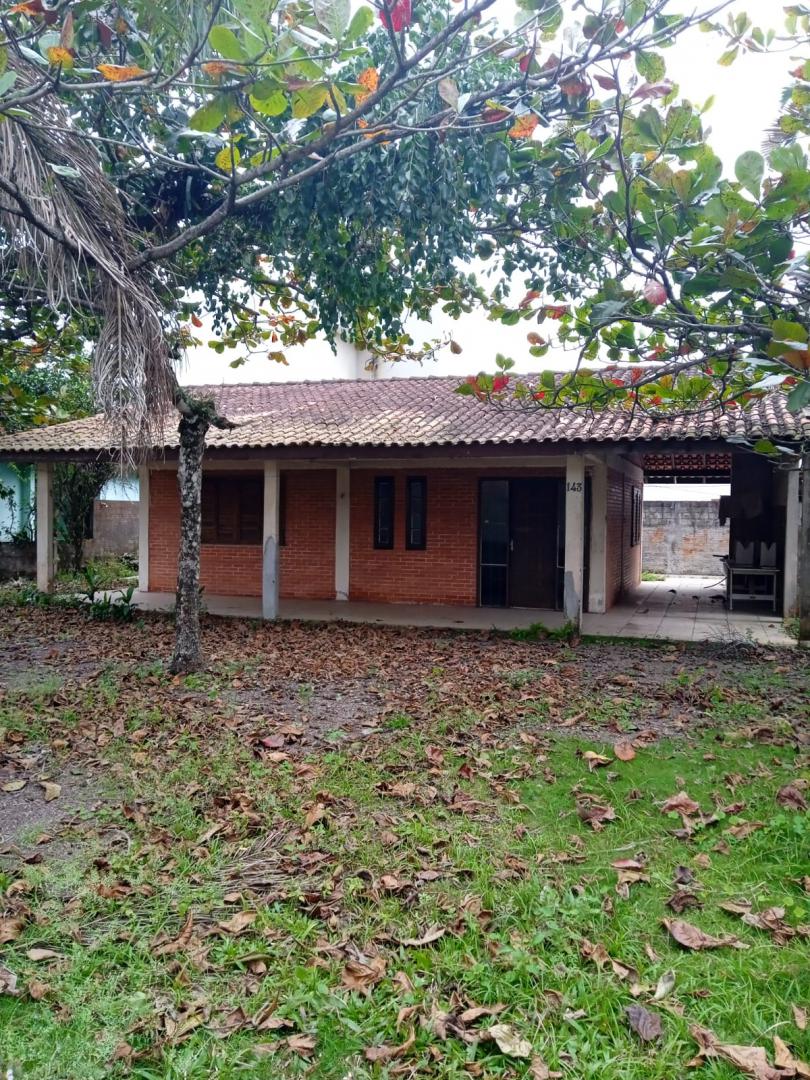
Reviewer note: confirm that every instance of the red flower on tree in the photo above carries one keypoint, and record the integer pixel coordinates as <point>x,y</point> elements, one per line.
<point>397,16</point>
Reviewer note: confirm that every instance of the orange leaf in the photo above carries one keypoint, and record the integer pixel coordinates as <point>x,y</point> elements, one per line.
<point>32,8</point>
<point>215,69</point>
<point>523,126</point>
<point>119,72</point>
<point>58,54</point>
<point>370,79</point>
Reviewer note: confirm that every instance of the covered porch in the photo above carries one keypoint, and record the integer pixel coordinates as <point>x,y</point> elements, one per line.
<point>673,609</point>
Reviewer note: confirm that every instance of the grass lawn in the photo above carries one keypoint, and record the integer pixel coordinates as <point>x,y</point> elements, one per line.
<point>357,852</point>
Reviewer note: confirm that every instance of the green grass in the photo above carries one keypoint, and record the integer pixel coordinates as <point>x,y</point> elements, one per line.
<point>520,883</point>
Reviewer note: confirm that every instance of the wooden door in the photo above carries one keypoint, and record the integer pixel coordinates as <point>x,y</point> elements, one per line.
<point>534,542</point>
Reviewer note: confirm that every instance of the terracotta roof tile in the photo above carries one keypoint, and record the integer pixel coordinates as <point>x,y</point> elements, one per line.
<point>413,412</point>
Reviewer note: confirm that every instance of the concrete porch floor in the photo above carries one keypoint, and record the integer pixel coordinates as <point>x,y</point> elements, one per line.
<point>674,609</point>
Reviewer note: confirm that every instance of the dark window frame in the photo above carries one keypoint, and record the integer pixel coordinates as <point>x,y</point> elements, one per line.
<point>246,529</point>
<point>421,543</point>
<point>282,509</point>
<point>384,531</point>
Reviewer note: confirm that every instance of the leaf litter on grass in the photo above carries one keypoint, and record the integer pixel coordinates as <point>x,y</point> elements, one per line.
<point>446,879</point>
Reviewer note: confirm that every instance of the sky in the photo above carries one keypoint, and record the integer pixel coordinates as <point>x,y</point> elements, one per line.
<point>746,101</point>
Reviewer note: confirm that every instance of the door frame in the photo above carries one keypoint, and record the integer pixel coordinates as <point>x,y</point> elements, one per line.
<point>560,531</point>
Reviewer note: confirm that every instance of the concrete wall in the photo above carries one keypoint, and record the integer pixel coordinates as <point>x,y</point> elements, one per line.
<point>18,560</point>
<point>115,529</point>
<point>683,537</point>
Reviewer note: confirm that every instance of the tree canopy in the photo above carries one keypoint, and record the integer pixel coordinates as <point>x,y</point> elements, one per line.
<point>692,286</point>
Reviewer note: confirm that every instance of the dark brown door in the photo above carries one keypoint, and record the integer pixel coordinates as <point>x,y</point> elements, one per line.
<point>533,528</point>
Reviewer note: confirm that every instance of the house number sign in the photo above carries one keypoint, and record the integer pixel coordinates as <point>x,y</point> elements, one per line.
<point>574,485</point>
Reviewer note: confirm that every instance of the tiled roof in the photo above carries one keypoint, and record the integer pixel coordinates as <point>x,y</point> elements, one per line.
<point>413,412</point>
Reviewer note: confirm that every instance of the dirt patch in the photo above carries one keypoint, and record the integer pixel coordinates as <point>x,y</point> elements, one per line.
<point>50,797</point>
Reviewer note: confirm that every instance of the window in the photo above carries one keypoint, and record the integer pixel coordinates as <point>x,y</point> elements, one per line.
<point>416,513</point>
<point>232,509</point>
<point>635,516</point>
<point>383,512</point>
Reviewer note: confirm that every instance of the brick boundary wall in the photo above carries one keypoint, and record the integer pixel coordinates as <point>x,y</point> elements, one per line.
<point>684,537</point>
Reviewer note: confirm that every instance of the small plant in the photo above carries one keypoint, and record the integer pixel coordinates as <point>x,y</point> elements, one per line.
<point>112,608</point>
<point>652,575</point>
<point>91,583</point>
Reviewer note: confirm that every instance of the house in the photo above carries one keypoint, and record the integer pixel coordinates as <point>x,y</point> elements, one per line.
<point>402,491</point>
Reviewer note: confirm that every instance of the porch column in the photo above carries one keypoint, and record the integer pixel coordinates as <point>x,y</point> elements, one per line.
<point>342,526</point>
<point>143,528</point>
<point>45,532</point>
<point>574,538</point>
<point>597,573</point>
<point>793,511</point>
<point>270,541</point>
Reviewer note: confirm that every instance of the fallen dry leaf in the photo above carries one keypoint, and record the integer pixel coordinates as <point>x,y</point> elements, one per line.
<point>239,923</point>
<point>595,760</point>
<point>509,1040</point>
<point>302,1044</point>
<point>594,813</point>
<point>692,937</point>
<point>14,785</point>
<point>665,985</point>
<point>784,1059</point>
<point>42,954</point>
<point>8,982</point>
<point>538,1070</point>
<point>624,751</point>
<point>52,791</point>
<point>432,934</point>
<point>682,899</point>
<point>362,973</point>
<point>168,948</point>
<point>751,1060</point>
<point>389,1053</point>
<point>799,1017</point>
<point>10,929</point>
<point>791,795</point>
<point>681,803</point>
<point>739,832</point>
<point>647,1025</point>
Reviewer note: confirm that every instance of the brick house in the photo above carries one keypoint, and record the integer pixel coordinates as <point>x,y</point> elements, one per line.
<point>402,491</point>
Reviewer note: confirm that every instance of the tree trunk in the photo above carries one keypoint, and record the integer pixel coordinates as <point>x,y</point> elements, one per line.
<point>804,551</point>
<point>187,646</point>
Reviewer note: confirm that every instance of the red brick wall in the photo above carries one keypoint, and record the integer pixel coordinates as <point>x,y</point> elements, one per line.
<point>225,569</point>
<point>308,556</point>
<point>445,572</point>
<point>623,561</point>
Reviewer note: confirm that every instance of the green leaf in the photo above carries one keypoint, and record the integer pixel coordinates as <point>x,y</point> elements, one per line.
<point>765,446</point>
<point>307,101</point>
<point>362,20</point>
<point>728,58</point>
<point>787,158</point>
<point>783,330</point>
<point>227,159</point>
<point>799,396</point>
<point>650,66</point>
<point>210,115</point>
<point>749,169</point>
<point>272,105</point>
<point>333,15</point>
<point>7,80</point>
<point>226,43</point>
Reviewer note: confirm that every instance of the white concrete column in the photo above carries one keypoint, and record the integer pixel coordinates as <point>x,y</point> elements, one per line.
<point>270,568</point>
<point>342,527</point>
<point>793,511</point>
<point>45,531</point>
<point>143,528</point>
<point>574,538</point>
<point>597,557</point>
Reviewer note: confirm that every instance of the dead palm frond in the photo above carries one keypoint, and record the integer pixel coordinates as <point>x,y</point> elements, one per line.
<point>65,237</point>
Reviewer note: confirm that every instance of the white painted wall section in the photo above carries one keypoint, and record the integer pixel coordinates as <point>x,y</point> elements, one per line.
<point>45,532</point>
<point>574,538</point>
<point>270,537</point>
<point>793,512</point>
<point>597,557</point>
